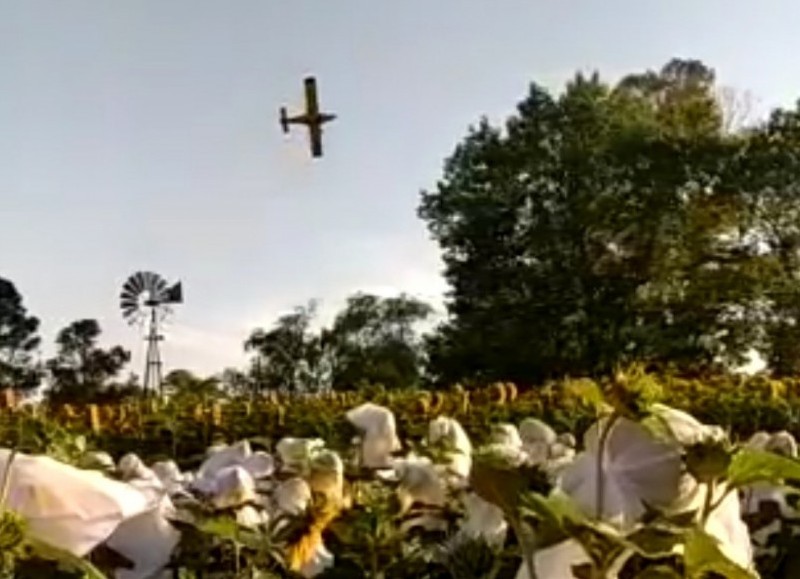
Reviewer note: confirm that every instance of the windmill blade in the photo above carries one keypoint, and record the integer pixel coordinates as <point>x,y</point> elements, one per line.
<point>131,314</point>
<point>128,288</point>
<point>131,293</point>
<point>132,317</point>
<point>147,280</point>
<point>153,284</point>
<point>140,278</point>
<point>145,291</point>
<point>133,285</point>
<point>129,297</point>
<point>159,287</point>
<point>150,283</point>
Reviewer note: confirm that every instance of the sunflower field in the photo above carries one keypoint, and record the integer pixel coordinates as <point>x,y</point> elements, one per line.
<point>639,476</point>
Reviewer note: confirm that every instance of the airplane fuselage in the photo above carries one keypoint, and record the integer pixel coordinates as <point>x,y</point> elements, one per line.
<point>312,118</point>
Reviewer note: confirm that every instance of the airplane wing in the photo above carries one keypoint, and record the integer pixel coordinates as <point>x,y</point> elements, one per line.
<point>315,136</point>
<point>312,102</point>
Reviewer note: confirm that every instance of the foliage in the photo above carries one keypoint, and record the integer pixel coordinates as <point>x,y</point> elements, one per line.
<point>181,384</point>
<point>617,222</point>
<point>18,341</point>
<point>288,355</point>
<point>371,341</point>
<point>82,371</point>
<point>372,534</point>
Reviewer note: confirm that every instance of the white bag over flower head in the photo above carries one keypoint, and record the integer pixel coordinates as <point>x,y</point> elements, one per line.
<point>223,457</point>
<point>726,524</point>
<point>68,508</point>
<point>295,453</point>
<point>537,440</point>
<point>682,427</point>
<point>533,430</point>
<point>782,443</point>
<point>147,540</point>
<point>506,435</point>
<point>326,475</point>
<point>292,496</point>
<point>260,465</point>
<point>484,520</point>
<point>449,432</point>
<point>380,434</point>
<point>233,487</point>
<point>636,469</point>
<point>131,467</point>
<point>419,482</point>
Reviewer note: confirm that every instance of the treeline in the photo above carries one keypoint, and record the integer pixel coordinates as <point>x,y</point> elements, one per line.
<point>80,371</point>
<point>373,340</point>
<point>641,220</point>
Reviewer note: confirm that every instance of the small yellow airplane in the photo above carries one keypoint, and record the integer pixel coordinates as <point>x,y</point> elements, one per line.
<point>312,118</point>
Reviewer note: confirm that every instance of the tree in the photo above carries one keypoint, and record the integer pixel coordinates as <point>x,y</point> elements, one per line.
<point>288,357</point>
<point>771,181</point>
<point>183,383</point>
<point>236,382</point>
<point>605,225</point>
<point>18,341</point>
<point>372,340</point>
<point>81,371</point>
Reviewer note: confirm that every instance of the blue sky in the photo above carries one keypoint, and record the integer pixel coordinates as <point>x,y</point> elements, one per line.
<point>144,135</point>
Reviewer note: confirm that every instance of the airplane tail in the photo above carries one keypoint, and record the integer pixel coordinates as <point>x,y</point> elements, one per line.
<point>284,120</point>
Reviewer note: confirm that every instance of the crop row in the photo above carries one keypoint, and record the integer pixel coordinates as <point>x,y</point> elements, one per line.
<point>186,426</point>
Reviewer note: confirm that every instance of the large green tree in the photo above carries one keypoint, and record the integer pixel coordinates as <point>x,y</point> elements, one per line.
<point>771,180</point>
<point>289,355</point>
<point>19,339</point>
<point>610,223</point>
<point>81,371</point>
<point>373,340</point>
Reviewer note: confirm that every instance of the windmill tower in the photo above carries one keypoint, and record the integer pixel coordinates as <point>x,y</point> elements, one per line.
<point>145,300</point>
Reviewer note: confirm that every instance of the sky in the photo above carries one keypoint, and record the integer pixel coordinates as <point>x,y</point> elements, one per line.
<point>144,135</point>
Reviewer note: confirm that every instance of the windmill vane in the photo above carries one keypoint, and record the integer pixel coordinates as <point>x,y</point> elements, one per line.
<point>146,297</point>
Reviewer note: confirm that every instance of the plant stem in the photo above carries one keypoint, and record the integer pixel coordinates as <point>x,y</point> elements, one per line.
<point>707,503</point>
<point>525,545</point>
<point>6,480</point>
<point>600,478</point>
<point>375,572</point>
<point>718,502</point>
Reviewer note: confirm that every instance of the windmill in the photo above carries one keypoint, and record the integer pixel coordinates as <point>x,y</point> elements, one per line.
<point>146,299</point>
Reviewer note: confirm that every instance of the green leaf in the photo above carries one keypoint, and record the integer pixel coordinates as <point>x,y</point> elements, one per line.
<point>558,518</point>
<point>709,461</point>
<point>702,555</point>
<point>751,466</point>
<point>223,527</point>
<point>503,484</point>
<point>589,392</point>
<point>603,545</point>
<point>551,514</point>
<point>656,541</point>
<point>66,560</point>
<point>659,572</point>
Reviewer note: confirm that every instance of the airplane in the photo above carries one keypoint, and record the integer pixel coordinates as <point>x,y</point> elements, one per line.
<point>312,118</point>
